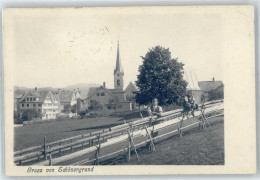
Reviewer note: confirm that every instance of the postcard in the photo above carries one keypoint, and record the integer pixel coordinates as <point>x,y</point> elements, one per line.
<point>129,90</point>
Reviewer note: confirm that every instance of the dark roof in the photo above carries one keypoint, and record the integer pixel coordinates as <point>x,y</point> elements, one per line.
<point>210,85</point>
<point>55,97</point>
<point>65,96</point>
<point>131,88</point>
<point>40,94</point>
<point>43,95</point>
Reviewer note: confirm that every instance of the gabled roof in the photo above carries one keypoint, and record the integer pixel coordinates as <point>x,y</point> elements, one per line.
<point>66,96</point>
<point>112,92</point>
<point>210,85</point>
<point>131,88</point>
<point>43,95</point>
<point>31,93</point>
<point>55,96</point>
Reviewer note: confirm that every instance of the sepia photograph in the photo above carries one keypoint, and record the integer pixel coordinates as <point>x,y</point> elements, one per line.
<point>92,88</point>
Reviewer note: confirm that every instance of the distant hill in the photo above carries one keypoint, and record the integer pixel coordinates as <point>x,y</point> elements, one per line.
<point>83,88</point>
<point>19,91</point>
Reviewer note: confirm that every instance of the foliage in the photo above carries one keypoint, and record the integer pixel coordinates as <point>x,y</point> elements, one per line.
<point>73,108</point>
<point>160,77</point>
<point>29,114</point>
<point>83,113</point>
<point>113,103</point>
<point>95,106</point>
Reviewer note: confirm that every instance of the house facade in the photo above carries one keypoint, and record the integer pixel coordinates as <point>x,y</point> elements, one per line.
<point>44,103</point>
<point>68,99</point>
<point>212,89</point>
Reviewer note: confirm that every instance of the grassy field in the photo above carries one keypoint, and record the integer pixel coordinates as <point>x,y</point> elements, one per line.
<point>32,135</point>
<point>196,147</point>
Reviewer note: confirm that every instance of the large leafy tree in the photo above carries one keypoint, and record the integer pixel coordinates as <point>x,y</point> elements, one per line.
<point>160,76</point>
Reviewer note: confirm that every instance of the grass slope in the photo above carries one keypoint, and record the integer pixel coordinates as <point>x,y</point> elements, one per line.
<point>196,147</point>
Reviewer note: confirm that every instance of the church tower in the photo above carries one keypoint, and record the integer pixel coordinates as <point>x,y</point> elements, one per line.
<point>118,72</point>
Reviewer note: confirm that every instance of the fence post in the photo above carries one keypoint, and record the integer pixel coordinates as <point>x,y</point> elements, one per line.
<point>97,151</point>
<point>44,148</point>
<point>179,130</point>
<point>128,156</point>
<point>50,160</point>
<point>71,146</point>
<point>60,149</point>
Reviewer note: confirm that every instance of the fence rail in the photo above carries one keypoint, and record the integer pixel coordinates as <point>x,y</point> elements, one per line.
<point>90,141</point>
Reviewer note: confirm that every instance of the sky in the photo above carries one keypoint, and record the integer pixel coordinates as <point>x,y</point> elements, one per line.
<point>61,48</point>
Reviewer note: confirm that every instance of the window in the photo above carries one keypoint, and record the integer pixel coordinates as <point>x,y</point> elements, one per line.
<point>30,99</point>
<point>27,99</point>
<point>39,105</point>
<point>27,105</point>
<point>22,105</point>
<point>118,82</point>
<point>97,94</point>
<point>39,110</point>
<point>102,94</point>
<point>34,105</point>
<point>34,99</point>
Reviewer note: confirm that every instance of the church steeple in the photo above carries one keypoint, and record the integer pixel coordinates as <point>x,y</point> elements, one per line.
<point>119,67</point>
<point>118,72</point>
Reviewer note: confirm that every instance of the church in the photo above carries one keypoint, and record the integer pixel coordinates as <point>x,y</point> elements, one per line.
<point>103,94</point>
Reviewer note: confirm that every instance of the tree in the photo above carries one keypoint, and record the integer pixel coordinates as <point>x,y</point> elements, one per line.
<point>95,106</point>
<point>29,114</point>
<point>83,113</point>
<point>113,103</point>
<point>160,77</point>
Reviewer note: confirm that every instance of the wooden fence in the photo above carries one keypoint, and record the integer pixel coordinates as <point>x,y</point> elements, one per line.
<point>91,142</point>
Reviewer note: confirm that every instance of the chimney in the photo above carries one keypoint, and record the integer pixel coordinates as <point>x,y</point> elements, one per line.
<point>213,79</point>
<point>35,89</point>
<point>104,84</point>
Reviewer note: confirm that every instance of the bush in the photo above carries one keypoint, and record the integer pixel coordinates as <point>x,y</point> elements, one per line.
<point>83,113</point>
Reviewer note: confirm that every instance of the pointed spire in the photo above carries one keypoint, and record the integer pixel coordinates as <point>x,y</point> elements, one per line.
<point>118,61</point>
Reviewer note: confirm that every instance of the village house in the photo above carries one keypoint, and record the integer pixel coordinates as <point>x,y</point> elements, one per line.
<point>68,99</point>
<point>212,89</point>
<point>44,103</point>
<point>48,104</point>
